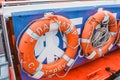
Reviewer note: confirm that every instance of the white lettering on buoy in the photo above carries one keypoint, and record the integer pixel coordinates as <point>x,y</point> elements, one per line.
<point>45,27</point>
<point>39,30</point>
<point>59,68</point>
<point>31,65</point>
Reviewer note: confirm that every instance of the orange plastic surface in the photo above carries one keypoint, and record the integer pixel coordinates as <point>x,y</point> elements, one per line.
<point>11,75</point>
<point>95,70</point>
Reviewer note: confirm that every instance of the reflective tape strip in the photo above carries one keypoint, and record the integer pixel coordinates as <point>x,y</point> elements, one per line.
<point>110,47</point>
<point>71,61</point>
<point>38,75</point>
<point>68,59</point>
<point>69,29</point>
<point>92,55</point>
<point>32,34</point>
<point>85,40</point>
<point>100,51</point>
<point>113,33</point>
<point>39,67</point>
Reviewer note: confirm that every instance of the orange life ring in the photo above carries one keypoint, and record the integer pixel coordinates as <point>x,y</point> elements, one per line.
<point>30,37</point>
<point>102,17</point>
<point>118,34</point>
<point>119,29</point>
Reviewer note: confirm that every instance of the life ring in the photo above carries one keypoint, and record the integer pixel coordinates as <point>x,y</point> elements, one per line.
<point>119,29</point>
<point>30,37</point>
<point>99,21</point>
<point>118,34</point>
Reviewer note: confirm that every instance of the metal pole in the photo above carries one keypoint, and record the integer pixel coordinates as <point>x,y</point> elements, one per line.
<point>6,42</point>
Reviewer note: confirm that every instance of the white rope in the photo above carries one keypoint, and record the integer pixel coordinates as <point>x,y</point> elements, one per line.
<point>103,35</point>
<point>78,56</point>
<point>62,35</point>
<point>99,35</point>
